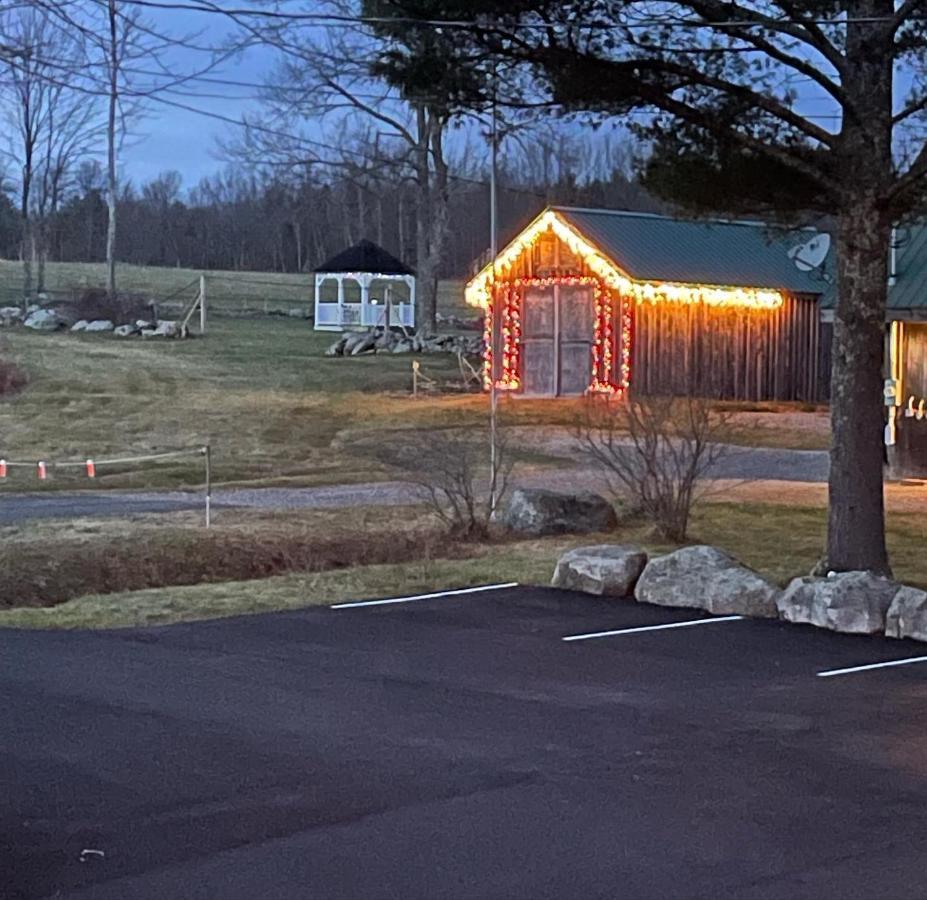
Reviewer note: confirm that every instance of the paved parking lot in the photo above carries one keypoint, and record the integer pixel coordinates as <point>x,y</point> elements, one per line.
<point>459,747</point>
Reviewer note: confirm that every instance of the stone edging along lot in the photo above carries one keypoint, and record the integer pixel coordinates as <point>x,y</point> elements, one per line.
<point>704,577</point>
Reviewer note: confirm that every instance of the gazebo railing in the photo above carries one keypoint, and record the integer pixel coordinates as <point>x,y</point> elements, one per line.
<point>358,315</point>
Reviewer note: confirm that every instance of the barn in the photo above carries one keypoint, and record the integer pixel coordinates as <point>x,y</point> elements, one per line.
<point>594,300</point>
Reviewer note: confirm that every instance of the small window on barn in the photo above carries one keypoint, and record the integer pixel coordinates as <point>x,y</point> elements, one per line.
<point>328,291</point>
<point>546,254</point>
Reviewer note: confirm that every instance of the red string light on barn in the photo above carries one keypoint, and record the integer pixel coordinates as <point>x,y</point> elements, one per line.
<point>602,381</point>
<point>511,337</point>
<point>487,342</point>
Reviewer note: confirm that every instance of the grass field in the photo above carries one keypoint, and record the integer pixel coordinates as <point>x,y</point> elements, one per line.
<point>226,290</point>
<point>259,391</point>
<point>277,411</point>
<point>780,541</point>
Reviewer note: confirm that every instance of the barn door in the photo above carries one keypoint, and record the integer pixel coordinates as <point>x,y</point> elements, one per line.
<point>539,352</point>
<point>576,315</point>
<point>557,327</point>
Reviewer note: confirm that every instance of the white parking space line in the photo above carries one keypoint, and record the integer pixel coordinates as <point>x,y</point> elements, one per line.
<point>473,590</point>
<point>601,634</point>
<point>829,673</point>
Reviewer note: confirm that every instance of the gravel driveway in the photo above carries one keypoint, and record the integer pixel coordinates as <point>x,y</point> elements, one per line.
<point>738,464</point>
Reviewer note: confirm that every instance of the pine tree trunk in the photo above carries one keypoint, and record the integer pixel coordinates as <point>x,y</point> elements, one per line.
<point>856,519</point>
<point>856,523</point>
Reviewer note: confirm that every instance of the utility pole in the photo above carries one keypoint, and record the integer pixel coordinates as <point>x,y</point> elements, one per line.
<point>494,252</point>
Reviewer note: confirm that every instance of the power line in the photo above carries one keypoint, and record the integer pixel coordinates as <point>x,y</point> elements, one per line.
<point>334,20</point>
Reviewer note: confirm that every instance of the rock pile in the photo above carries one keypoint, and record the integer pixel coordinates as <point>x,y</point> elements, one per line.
<point>45,319</point>
<point>704,577</point>
<point>379,340</point>
<point>450,321</point>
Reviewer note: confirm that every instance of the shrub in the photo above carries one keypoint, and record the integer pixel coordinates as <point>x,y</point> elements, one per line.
<point>657,451</point>
<point>453,470</point>
<point>34,574</point>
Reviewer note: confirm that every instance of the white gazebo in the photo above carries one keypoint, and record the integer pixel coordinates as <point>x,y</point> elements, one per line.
<point>364,287</point>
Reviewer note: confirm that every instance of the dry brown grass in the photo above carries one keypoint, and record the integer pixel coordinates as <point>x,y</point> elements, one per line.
<point>779,541</point>
<point>47,565</point>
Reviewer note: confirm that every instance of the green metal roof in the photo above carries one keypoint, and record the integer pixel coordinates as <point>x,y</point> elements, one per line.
<point>910,288</point>
<point>909,291</point>
<point>659,248</point>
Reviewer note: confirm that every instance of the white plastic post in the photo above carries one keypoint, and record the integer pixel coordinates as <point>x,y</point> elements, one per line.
<point>208,454</point>
<point>202,304</point>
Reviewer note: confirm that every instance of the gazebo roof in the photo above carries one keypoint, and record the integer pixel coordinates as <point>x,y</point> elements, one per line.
<point>365,256</point>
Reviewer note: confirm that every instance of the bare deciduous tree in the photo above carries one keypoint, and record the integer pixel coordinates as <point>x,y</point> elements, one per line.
<point>655,451</point>
<point>331,77</point>
<point>452,469</point>
<point>52,124</point>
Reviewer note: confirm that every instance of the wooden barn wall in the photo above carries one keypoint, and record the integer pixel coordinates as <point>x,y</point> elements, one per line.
<point>728,354</point>
<point>731,354</point>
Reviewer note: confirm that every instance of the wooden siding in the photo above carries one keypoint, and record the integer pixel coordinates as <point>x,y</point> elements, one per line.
<point>693,348</point>
<point>731,354</point>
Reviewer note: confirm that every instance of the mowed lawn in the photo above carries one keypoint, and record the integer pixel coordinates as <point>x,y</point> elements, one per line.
<point>259,391</point>
<point>226,290</point>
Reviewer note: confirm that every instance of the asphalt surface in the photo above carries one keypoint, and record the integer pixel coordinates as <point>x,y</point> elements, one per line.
<point>457,747</point>
<point>737,464</point>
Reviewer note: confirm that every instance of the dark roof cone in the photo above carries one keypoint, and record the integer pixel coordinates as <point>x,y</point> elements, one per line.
<point>365,256</point>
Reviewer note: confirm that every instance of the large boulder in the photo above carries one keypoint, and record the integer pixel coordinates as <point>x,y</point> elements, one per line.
<point>80,325</point>
<point>608,570</point>
<point>167,329</point>
<point>43,320</point>
<point>854,602</point>
<point>99,325</point>
<point>706,578</point>
<point>537,512</point>
<point>907,616</point>
<point>125,330</point>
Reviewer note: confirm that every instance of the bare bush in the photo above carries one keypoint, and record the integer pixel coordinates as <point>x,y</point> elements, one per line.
<point>105,565</point>
<point>454,471</point>
<point>656,451</point>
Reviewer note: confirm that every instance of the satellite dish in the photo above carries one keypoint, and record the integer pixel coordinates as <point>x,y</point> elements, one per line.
<point>811,254</point>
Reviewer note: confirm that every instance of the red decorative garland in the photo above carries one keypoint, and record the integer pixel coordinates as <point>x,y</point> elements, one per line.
<point>602,342</point>
<point>487,342</point>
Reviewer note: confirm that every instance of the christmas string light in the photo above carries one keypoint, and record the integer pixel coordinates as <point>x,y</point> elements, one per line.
<point>602,380</point>
<point>511,338</point>
<point>487,344</point>
<point>478,290</point>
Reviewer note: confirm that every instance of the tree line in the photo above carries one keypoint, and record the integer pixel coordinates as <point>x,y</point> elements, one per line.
<point>243,220</point>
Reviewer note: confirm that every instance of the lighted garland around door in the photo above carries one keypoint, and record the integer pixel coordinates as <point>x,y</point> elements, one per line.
<point>549,326</point>
<point>557,336</point>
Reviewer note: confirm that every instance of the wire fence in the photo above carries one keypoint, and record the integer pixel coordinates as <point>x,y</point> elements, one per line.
<point>169,291</point>
<point>43,468</point>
